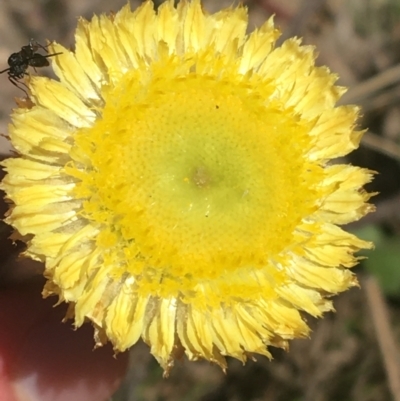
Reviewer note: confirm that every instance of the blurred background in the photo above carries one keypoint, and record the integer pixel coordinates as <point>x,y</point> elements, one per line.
<point>352,354</point>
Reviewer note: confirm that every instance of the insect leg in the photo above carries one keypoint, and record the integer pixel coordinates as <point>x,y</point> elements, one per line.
<point>18,85</point>
<point>34,45</point>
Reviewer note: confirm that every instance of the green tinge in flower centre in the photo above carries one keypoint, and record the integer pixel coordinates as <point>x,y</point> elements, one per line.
<point>194,181</point>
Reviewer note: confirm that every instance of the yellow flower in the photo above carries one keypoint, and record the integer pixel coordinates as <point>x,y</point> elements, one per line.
<point>177,182</point>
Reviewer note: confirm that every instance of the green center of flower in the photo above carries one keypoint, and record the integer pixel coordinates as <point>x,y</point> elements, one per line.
<point>193,180</point>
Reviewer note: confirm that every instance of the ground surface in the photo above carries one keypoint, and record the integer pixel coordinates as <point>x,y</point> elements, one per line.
<point>358,39</point>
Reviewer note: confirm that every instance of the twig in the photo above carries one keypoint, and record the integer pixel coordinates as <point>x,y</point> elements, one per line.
<point>387,344</point>
<point>382,100</point>
<point>381,145</point>
<point>367,88</point>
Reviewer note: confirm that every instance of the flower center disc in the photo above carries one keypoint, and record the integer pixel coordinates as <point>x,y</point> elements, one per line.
<point>189,176</point>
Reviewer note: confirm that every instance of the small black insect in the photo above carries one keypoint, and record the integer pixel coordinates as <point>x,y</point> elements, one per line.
<point>26,57</point>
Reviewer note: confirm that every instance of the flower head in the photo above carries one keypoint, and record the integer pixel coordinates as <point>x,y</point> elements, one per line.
<point>177,183</point>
